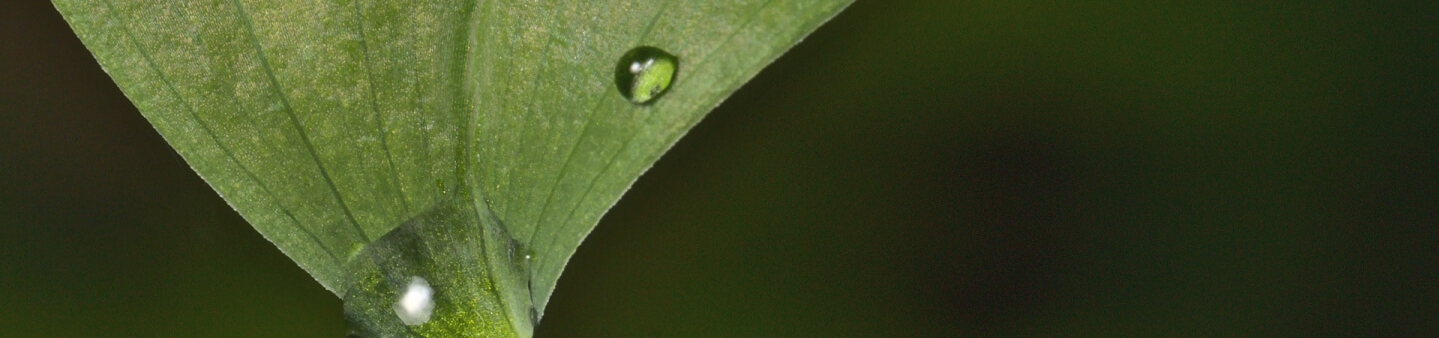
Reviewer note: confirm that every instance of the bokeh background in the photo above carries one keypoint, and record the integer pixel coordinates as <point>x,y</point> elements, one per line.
<point>913,169</point>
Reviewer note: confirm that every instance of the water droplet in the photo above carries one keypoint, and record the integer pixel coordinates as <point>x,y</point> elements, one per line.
<point>645,73</point>
<point>519,255</point>
<point>416,303</point>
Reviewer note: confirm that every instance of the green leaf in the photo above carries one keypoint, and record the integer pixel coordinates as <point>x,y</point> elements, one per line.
<point>466,268</point>
<point>328,124</point>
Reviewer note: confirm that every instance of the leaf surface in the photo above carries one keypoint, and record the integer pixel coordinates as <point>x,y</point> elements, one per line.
<point>327,124</point>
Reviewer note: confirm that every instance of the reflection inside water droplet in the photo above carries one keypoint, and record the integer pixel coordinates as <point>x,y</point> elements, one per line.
<point>416,303</point>
<point>645,73</point>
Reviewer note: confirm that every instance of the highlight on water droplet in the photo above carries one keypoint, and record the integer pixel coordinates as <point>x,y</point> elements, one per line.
<point>416,303</point>
<point>645,73</point>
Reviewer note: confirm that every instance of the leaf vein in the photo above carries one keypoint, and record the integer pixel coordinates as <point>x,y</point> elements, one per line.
<point>170,87</point>
<point>590,188</point>
<point>295,121</point>
<point>375,106</point>
<point>549,199</point>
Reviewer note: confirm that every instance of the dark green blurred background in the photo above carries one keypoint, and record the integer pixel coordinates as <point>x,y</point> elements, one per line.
<point>913,169</point>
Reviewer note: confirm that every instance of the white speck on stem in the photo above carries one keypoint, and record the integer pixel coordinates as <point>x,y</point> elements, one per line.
<point>417,303</point>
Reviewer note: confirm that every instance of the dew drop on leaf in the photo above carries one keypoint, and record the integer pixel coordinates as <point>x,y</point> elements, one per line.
<point>416,302</point>
<point>645,73</point>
